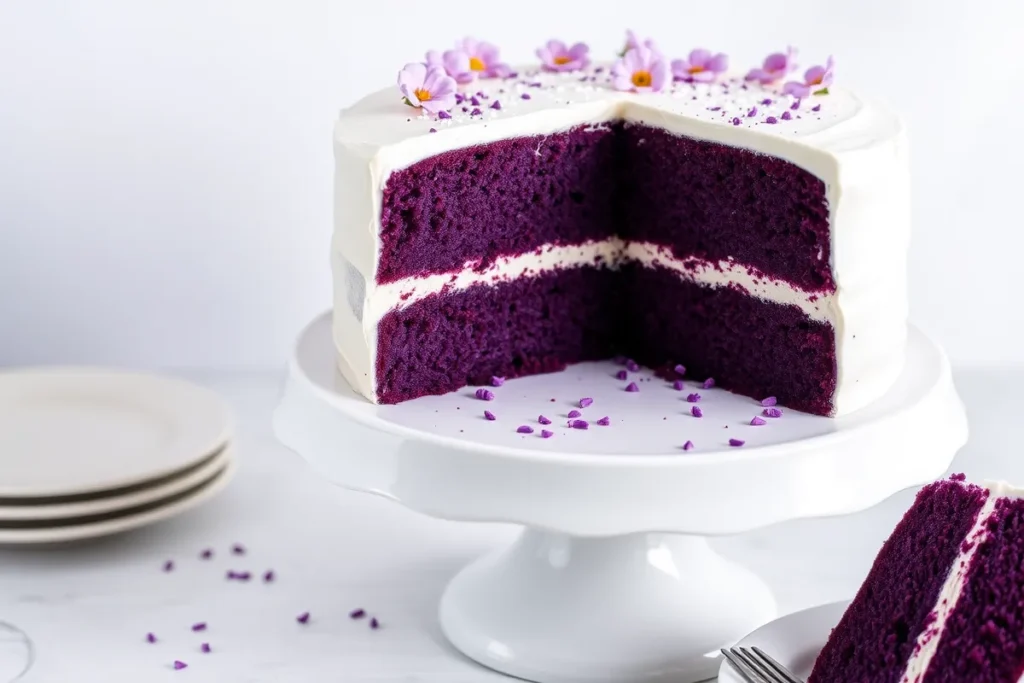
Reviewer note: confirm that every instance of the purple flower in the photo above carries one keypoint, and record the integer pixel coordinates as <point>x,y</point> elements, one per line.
<point>428,87</point>
<point>700,67</point>
<point>816,81</point>
<point>633,42</point>
<point>473,58</point>
<point>556,56</point>
<point>641,70</point>
<point>776,66</point>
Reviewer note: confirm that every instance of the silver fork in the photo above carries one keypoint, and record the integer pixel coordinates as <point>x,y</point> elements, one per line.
<point>757,666</point>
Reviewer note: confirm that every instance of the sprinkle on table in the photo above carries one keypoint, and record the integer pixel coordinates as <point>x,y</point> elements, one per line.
<point>179,665</point>
<point>150,638</point>
<point>770,401</point>
<point>268,576</point>
<point>621,374</point>
<point>579,424</point>
<point>757,421</point>
<point>525,429</point>
<point>696,411</point>
<point>484,394</point>
<point>205,648</point>
<point>543,420</point>
<point>693,398</point>
<point>586,402</point>
<point>169,565</point>
<point>604,421</point>
<point>206,554</point>
<point>357,613</point>
<point>201,626</point>
<point>546,434</point>
<point>303,618</point>
<point>238,549</point>
<point>525,95</point>
<point>688,446</point>
<point>632,366</point>
<point>708,383</point>
<point>497,381</point>
<point>678,385</point>
<point>735,443</point>
<point>632,387</point>
<point>488,415</point>
<point>574,413</point>
<point>772,412</point>
<point>374,624</point>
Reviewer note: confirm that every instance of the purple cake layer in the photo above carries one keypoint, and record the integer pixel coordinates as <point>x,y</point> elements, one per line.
<point>748,345</point>
<point>983,640</point>
<point>523,327</point>
<point>638,182</point>
<point>878,632</point>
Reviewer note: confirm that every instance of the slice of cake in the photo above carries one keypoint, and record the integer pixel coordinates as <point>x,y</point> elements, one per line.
<point>944,600</point>
<point>752,227</point>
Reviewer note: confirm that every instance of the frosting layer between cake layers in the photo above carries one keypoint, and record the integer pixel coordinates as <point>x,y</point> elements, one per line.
<point>856,149</point>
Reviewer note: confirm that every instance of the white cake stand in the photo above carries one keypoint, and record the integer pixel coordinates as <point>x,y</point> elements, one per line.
<point>613,580</point>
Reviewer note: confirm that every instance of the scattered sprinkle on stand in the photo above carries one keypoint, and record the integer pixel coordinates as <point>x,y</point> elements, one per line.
<point>201,626</point>
<point>238,549</point>
<point>772,412</point>
<point>489,416</point>
<point>150,638</point>
<point>708,383</point>
<point>205,648</point>
<point>179,665</point>
<point>768,402</point>
<point>632,387</point>
<point>586,402</point>
<point>693,398</point>
<point>579,424</point>
<point>303,618</point>
<point>484,394</point>
<point>757,421</point>
<point>604,421</point>
<point>621,374</point>
<point>374,624</point>
<point>696,411</point>
<point>169,565</point>
<point>497,381</point>
<point>357,613</point>
<point>206,554</point>
<point>688,446</point>
<point>525,429</point>
<point>632,366</point>
<point>546,434</point>
<point>268,576</point>
<point>574,413</point>
<point>543,420</point>
<point>680,370</point>
<point>678,385</point>
<point>736,443</point>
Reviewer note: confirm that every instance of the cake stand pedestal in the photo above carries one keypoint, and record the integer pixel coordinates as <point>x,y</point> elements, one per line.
<point>613,580</point>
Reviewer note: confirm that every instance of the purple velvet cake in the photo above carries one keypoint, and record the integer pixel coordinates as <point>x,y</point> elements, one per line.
<point>511,224</point>
<point>944,600</point>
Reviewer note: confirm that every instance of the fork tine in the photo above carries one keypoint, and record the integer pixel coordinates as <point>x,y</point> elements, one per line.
<point>748,674</point>
<point>787,675</point>
<point>762,669</point>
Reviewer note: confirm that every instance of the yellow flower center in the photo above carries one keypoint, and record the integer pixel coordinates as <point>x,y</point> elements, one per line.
<point>476,64</point>
<point>816,80</point>
<point>696,69</point>
<point>562,59</point>
<point>642,79</point>
<point>422,95</point>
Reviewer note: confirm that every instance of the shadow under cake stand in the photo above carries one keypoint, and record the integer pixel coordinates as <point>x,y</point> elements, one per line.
<point>613,580</point>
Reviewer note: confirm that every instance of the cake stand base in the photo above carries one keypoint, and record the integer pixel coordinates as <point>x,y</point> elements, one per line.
<point>641,608</point>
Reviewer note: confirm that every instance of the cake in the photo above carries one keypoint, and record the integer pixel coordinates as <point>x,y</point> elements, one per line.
<point>944,600</point>
<point>498,222</point>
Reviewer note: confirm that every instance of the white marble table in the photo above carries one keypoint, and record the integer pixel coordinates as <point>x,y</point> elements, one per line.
<point>88,607</point>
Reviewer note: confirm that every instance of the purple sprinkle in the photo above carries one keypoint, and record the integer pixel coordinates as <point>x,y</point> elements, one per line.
<point>736,442</point>
<point>680,370</point>
<point>752,112</point>
<point>574,413</point>
<point>525,95</point>
<point>579,424</point>
<point>459,98</point>
<point>713,108</point>
<point>816,107</point>
<point>709,382</point>
<point>169,565</point>
<point>770,401</point>
<point>678,385</point>
<point>795,105</point>
<point>736,121</point>
<point>693,398</point>
<point>238,549</point>
<point>432,130</point>
<point>771,119</point>
<point>632,387</point>
<point>688,446</point>
<point>497,381</point>
<point>632,366</point>
<point>525,429</point>
<point>586,402</point>
<point>543,420</point>
<point>545,434</point>
<point>268,577</point>
<point>496,104</point>
<point>238,576</point>
<point>357,613</point>
<point>786,116</point>
<point>179,665</point>
<point>484,394</point>
<point>604,422</point>
<point>443,115</point>
<point>303,618</point>
<point>757,422</point>
<point>621,374</point>
<point>489,415</point>
<point>205,647</point>
<point>696,411</point>
<point>201,626</point>
<point>771,412</point>
<point>474,101</point>
<point>766,101</point>
<point>150,638</point>
<point>206,554</point>
<point>476,112</point>
<point>374,624</point>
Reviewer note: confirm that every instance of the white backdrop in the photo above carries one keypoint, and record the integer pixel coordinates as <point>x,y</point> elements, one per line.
<point>165,166</point>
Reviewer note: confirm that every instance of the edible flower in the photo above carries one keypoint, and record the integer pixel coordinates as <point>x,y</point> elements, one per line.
<point>775,67</point>
<point>428,87</point>
<point>701,66</point>
<point>473,58</point>
<point>816,81</point>
<point>641,70</point>
<point>556,56</point>
<point>633,42</point>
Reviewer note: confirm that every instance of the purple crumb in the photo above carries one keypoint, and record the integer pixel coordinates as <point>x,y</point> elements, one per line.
<point>497,381</point>
<point>268,577</point>
<point>621,374</point>
<point>496,104</point>
<point>816,107</point>
<point>525,429</point>
<point>374,624</point>
<point>736,121</point>
<point>525,95</point>
<point>303,618</point>
<point>632,387</point>
<point>484,394</point>
<point>604,421</point>
<point>474,101</point>
<point>696,411</point>
<point>680,370</point>
<point>476,112</point>
<point>543,420</point>
<point>169,565</point>
<point>786,116</point>
<point>771,119</point>
<point>574,413</point>
<point>201,626</point>
<point>736,442</point>
<point>752,112</point>
<point>632,366</point>
<point>795,105</point>
<point>693,398</point>
<point>357,613</point>
<point>238,549</point>
<point>545,434</point>
<point>489,415</point>
<point>179,665</point>
<point>766,101</point>
<point>206,554</point>
<point>708,383</point>
<point>443,115</point>
<point>205,648</point>
<point>678,385</point>
<point>150,638</point>
<point>579,424</point>
<point>432,130</point>
<point>586,402</point>
<point>771,412</point>
<point>757,422</point>
<point>688,446</point>
<point>770,401</point>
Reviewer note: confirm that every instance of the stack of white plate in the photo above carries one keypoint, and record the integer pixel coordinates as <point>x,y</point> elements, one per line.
<point>88,452</point>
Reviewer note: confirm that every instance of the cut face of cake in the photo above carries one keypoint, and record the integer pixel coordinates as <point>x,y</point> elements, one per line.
<point>549,219</point>
<point>944,600</point>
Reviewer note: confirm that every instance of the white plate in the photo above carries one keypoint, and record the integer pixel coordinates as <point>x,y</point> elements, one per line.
<point>153,512</point>
<point>129,498</point>
<point>73,430</point>
<point>793,640</point>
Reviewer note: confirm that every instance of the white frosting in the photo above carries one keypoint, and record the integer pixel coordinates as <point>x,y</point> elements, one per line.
<point>855,147</point>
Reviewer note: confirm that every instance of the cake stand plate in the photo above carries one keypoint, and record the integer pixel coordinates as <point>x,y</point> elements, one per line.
<point>613,580</point>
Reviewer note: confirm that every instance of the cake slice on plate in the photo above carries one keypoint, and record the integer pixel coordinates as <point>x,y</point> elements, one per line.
<point>944,600</point>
